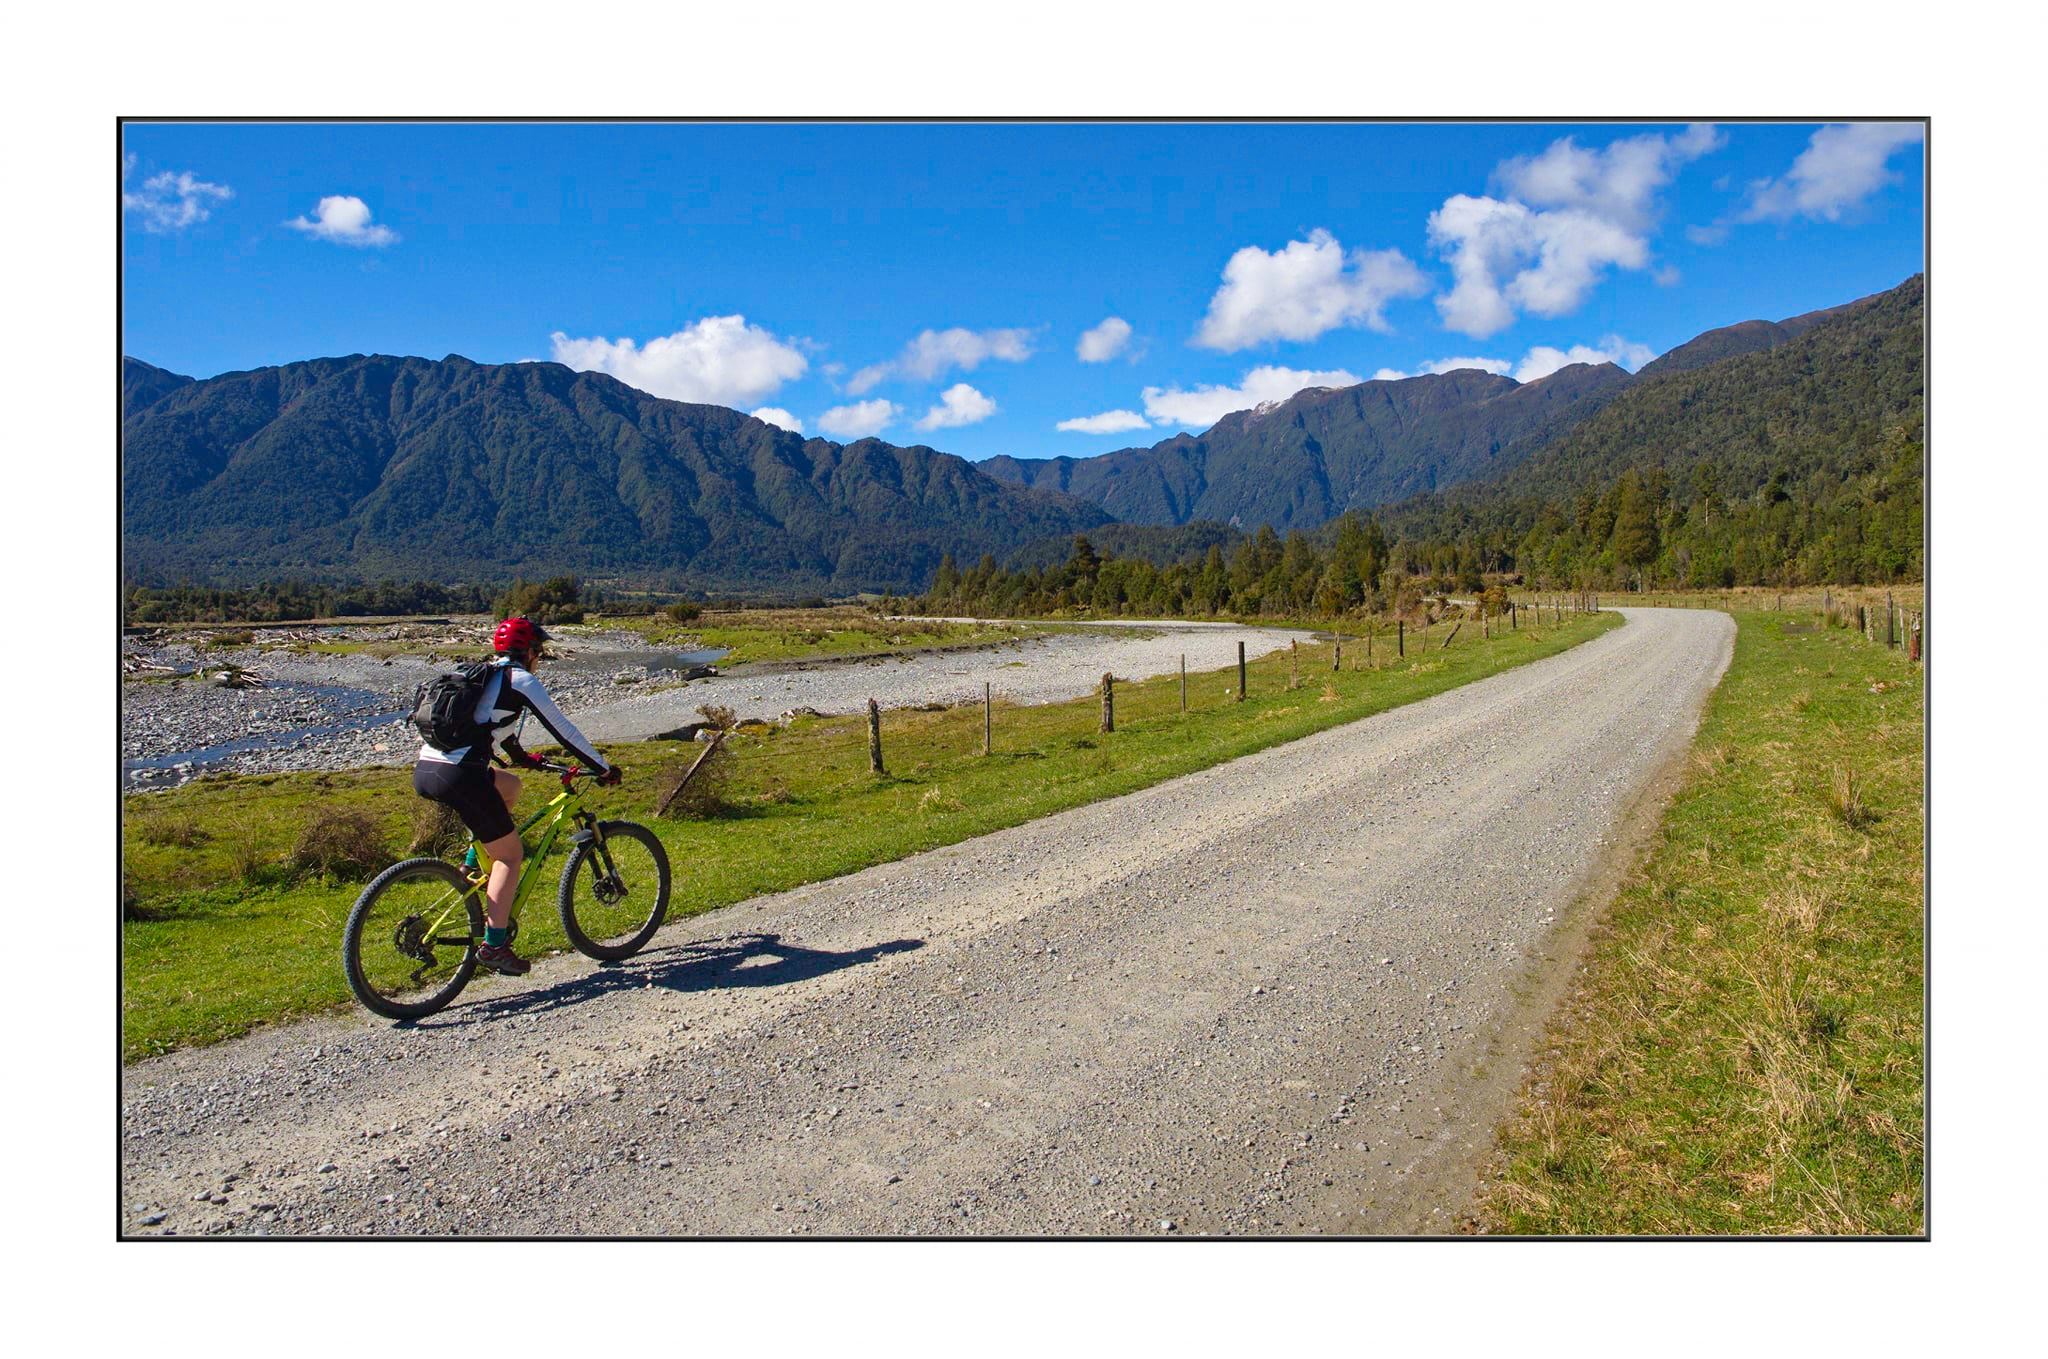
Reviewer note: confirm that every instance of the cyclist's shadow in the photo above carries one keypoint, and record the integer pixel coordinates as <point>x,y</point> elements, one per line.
<point>701,965</point>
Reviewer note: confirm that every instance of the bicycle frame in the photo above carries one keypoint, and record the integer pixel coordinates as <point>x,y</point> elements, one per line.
<point>561,807</point>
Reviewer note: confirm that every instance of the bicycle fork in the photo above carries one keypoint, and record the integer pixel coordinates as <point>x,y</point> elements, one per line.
<point>606,884</point>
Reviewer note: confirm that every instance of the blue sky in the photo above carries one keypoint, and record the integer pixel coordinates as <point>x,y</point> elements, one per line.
<point>976,287</point>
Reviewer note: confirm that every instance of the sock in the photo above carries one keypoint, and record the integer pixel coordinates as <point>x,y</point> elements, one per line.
<point>495,937</point>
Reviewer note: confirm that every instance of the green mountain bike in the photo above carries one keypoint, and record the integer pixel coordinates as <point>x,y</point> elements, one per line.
<point>410,944</point>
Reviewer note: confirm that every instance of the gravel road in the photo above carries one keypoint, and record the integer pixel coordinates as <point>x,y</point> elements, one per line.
<point>1287,994</point>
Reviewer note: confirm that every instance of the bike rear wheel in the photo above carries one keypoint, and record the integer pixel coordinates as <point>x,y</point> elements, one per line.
<point>614,892</point>
<point>410,944</point>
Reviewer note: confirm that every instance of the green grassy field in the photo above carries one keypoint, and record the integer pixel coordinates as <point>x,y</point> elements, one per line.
<point>1744,1053</point>
<point>220,935</point>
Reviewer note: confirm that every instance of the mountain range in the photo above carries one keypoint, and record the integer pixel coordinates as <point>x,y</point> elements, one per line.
<point>372,467</point>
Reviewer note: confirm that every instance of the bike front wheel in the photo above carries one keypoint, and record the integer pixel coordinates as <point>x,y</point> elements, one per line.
<point>614,892</point>
<point>410,943</point>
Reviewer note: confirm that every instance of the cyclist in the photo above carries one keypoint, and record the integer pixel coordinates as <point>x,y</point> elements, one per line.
<point>483,797</point>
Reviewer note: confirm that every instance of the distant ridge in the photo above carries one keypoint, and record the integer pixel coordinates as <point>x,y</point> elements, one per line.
<point>145,384</point>
<point>1304,461</point>
<point>1744,337</point>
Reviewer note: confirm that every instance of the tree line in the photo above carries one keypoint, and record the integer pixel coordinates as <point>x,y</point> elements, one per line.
<point>1645,530</point>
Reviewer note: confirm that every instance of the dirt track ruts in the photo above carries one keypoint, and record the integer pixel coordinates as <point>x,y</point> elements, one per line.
<point>1284,994</point>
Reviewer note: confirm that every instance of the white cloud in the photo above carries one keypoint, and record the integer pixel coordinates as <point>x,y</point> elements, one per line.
<point>1617,183</point>
<point>860,419</point>
<point>1569,215</point>
<point>1390,375</point>
<point>345,220</point>
<point>1109,422</point>
<point>780,418</point>
<point>1543,360</point>
<point>1304,289</point>
<point>1200,407</point>
<point>1102,343</point>
<point>172,200</point>
<point>720,360</point>
<point>1843,164</point>
<point>958,405</point>
<point>937,352</point>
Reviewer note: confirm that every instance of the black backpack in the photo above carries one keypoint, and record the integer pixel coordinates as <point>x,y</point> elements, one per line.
<point>444,708</point>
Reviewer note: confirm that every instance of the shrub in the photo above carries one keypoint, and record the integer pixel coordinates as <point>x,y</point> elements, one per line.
<point>251,866</point>
<point>231,639</point>
<point>436,829</point>
<point>348,845</point>
<point>551,601</point>
<point>705,795</point>
<point>683,611</point>
<point>719,716</point>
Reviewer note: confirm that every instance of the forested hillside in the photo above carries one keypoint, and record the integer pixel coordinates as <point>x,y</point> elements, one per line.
<point>368,468</point>
<point>1802,462</point>
<point>1799,460</point>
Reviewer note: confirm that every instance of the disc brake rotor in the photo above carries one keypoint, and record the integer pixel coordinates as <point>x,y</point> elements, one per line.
<point>410,938</point>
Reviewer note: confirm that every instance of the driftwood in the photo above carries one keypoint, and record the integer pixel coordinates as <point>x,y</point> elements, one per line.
<point>710,748</point>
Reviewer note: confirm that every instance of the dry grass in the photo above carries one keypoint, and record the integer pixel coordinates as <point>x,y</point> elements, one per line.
<point>1845,798</point>
<point>708,792</point>
<point>436,829</point>
<point>1743,1054</point>
<point>347,845</point>
<point>165,828</point>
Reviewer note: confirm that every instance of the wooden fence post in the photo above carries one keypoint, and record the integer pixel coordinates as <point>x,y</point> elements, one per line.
<point>1514,619</point>
<point>1370,629</point>
<point>1240,672</point>
<point>1108,702</point>
<point>988,724</point>
<point>874,736</point>
<point>1400,637</point>
<point>1454,632</point>
<point>1183,684</point>
<point>1891,622</point>
<point>1293,662</point>
<point>1338,662</point>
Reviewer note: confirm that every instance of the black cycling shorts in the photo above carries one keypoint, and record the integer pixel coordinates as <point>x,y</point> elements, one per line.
<point>470,790</point>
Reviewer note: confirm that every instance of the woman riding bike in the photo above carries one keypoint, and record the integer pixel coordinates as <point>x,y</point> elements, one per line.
<point>483,797</point>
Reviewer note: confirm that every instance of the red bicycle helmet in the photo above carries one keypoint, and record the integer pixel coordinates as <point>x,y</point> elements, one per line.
<point>518,634</point>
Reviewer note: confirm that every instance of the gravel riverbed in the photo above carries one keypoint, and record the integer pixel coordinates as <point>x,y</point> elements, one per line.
<point>343,711</point>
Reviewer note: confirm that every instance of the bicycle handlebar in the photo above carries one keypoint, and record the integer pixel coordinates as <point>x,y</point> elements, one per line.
<point>569,772</point>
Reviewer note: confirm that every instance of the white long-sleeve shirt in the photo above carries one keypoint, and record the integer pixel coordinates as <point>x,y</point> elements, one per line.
<point>510,693</point>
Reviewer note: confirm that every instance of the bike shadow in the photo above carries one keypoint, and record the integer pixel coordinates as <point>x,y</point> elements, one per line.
<point>733,960</point>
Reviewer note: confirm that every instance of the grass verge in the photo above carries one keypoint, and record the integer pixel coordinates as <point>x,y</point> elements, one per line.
<point>1743,1053</point>
<point>221,933</point>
